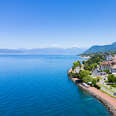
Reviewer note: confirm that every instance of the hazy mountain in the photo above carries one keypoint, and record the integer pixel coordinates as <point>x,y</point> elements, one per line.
<point>104,48</point>
<point>42,51</point>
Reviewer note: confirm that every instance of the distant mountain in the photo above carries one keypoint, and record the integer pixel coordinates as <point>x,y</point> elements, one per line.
<point>42,51</point>
<point>104,48</point>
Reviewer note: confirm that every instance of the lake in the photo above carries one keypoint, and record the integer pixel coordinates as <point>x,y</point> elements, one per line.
<point>39,86</point>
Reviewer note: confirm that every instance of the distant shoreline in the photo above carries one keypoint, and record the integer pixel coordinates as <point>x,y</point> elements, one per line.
<point>86,57</point>
<point>106,100</point>
<point>37,55</point>
<point>33,54</point>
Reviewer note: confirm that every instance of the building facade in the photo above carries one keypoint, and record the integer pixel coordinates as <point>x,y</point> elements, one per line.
<point>109,64</point>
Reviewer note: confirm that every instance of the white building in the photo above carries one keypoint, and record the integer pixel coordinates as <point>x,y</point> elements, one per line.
<point>109,58</point>
<point>77,69</point>
<point>106,65</point>
<point>113,69</point>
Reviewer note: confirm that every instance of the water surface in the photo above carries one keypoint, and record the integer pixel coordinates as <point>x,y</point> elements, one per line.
<point>39,86</point>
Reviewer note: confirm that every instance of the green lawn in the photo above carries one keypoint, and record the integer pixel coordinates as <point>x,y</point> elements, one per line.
<point>107,88</point>
<point>107,93</point>
<point>113,86</point>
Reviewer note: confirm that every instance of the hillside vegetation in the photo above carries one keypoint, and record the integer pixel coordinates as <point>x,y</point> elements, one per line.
<point>101,49</point>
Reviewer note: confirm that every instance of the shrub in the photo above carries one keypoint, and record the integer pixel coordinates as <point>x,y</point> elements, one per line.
<point>111,78</point>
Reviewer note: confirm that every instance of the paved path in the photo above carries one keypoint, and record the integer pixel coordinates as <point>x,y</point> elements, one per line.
<point>102,81</point>
<point>104,96</point>
<point>107,90</point>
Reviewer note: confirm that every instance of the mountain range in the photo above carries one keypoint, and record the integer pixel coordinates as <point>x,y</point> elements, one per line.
<point>101,49</point>
<point>42,51</point>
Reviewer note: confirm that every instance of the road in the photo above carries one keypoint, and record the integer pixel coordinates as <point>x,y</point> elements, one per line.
<point>106,87</point>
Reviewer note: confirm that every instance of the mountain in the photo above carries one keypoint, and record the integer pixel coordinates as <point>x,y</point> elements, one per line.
<point>42,51</point>
<point>104,48</point>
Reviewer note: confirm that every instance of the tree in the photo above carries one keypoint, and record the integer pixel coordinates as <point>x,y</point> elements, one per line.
<point>94,66</point>
<point>92,62</point>
<point>83,73</point>
<point>73,75</point>
<point>111,78</point>
<point>107,71</point>
<point>87,79</point>
<point>98,79</point>
<point>76,64</point>
<point>94,81</point>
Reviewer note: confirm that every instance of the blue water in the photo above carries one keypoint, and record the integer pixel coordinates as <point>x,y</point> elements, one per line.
<point>39,86</point>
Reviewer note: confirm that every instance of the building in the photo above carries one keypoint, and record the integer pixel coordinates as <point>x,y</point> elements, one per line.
<point>113,67</point>
<point>109,65</point>
<point>109,58</point>
<point>77,70</point>
<point>96,73</point>
<point>106,65</point>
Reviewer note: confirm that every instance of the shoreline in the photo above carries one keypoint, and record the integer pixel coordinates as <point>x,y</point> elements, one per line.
<point>106,100</point>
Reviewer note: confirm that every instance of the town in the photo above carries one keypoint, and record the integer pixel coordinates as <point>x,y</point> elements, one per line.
<point>99,71</point>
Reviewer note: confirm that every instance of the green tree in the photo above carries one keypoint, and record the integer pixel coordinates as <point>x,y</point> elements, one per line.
<point>76,64</point>
<point>87,79</point>
<point>94,81</point>
<point>111,78</point>
<point>107,71</point>
<point>83,73</point>
<point>92,62</point>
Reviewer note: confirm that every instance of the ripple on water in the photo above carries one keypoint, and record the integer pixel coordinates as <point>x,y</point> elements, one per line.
<point>39,86</point>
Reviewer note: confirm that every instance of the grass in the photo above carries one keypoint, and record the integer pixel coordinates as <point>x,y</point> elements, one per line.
<point>107,88</point>
<point>107,93</point>
<point>113,86</point>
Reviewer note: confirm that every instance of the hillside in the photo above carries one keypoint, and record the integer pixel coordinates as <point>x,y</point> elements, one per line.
<point>102,49</point>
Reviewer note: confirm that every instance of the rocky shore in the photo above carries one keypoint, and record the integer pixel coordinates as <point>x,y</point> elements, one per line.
<point>108,101</point>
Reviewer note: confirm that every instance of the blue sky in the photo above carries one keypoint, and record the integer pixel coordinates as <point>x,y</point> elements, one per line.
<point>57,23</point>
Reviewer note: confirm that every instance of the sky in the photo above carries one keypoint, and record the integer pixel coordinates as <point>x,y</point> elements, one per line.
<point>57,23</point>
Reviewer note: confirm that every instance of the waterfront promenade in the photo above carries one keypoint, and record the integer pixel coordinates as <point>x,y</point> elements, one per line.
<point>104,98</point>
